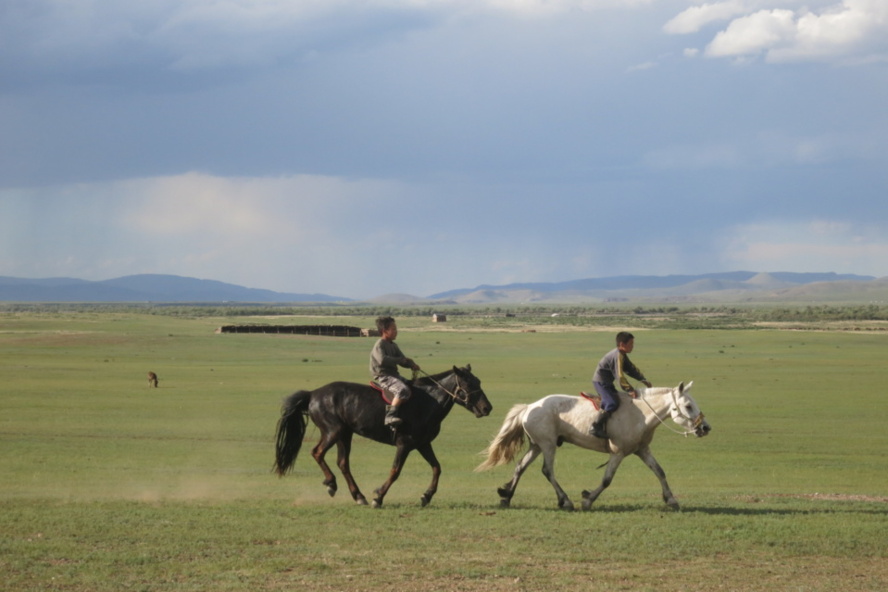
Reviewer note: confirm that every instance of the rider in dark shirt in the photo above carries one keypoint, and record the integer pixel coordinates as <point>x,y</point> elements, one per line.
<point>615,366</point>
<point>385,358</point>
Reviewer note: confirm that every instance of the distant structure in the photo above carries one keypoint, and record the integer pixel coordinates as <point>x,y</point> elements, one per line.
<point>152,380</point>
<point>439,318</point>
<point>323,330</point>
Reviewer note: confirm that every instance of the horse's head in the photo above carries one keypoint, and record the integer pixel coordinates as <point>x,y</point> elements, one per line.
<point>468,392</point>
<point>686,413</point>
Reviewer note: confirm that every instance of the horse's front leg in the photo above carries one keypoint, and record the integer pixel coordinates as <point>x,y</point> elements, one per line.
<point>429,455</point>
<point>648,458</point>
<point>613,464</point>
<point>344,449</point>
<point>508,490</point>
<point>400,458</point>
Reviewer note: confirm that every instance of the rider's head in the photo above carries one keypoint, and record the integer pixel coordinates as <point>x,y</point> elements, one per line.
<point>625,341</point>
<point>387,327</point>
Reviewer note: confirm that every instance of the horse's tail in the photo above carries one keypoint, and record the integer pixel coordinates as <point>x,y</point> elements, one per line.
<point>290,431</point>
<point>506,444</point>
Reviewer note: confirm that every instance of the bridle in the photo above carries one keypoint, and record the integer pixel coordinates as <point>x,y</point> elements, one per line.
<point>696,422</point>
<point>455,394</point>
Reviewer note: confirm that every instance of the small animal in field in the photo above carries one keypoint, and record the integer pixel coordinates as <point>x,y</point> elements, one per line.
<point>152,380</point>
<point>556,419</point>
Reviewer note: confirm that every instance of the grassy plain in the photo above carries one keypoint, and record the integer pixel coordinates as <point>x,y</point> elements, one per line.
<point>109,485</point>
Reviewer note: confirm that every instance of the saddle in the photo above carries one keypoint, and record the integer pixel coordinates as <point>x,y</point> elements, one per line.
<point>386,396</point>
<point>594,399</point>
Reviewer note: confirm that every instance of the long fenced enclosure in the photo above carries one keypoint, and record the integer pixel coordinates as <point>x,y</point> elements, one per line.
<point>324,330</point>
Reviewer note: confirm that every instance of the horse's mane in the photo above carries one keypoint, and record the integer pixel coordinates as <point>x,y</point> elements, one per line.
<point>654,390</point>
<point>428,379</point>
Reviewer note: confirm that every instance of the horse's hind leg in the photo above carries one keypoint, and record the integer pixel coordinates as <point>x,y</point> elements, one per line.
<point>648,458</point>
<point>344,449</point>
<point>549,471</point>
<point>324,444</point>
<point>612,465</point>
<point>429,455</point>
<point>508,490</point>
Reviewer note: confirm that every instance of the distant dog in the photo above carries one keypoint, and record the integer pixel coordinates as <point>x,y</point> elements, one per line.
<point>152,379</point>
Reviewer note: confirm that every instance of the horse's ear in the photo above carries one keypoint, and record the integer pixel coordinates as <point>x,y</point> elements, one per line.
<point>469,367</point>
<point>690,384</point>
<point>681,387</point>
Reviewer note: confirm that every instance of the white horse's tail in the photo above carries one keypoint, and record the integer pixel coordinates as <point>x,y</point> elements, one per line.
<point>506,444</point>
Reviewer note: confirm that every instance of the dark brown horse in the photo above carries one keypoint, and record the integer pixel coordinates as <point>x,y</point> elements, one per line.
<point>342,409</point>
<point>152,379</point>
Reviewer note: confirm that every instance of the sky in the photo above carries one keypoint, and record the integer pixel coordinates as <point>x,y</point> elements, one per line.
<point>358,148</point>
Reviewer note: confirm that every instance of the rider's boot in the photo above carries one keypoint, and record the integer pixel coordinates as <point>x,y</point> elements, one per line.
<point>391,416</point>
<point>599,428</point>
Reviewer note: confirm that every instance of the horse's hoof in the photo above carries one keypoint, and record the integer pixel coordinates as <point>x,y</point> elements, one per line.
<point>377,503</point>
<point>673,505</point>
<point>567,507</point>
<point>505,502</point>
<point>424,501</point>
<point>361,501</point>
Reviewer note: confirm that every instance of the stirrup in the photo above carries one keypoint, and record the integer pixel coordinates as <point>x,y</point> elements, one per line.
<point>391,418</point>
<point>599,432</point>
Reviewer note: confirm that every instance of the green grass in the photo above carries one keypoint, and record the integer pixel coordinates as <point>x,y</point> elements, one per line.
<point>109,485</point>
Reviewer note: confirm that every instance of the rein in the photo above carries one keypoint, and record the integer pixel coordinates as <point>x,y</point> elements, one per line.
<point>695,421</point>
<point>454,395</point>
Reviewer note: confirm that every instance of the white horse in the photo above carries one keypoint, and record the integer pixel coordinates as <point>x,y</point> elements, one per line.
<point>556,419</point>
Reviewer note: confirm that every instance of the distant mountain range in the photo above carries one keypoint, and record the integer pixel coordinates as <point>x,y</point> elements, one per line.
<point>711,287</point>
<point>143,288</point>
<point>737,286</point>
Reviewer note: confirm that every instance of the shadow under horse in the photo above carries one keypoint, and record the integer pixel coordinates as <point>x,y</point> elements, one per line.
<point>342,409</point>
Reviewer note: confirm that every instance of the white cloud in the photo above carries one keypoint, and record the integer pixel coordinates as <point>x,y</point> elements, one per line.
<point>187,35</point>
<point>695,18</point>
<point>753,34</point>
<point>807,246</point>
<point>768,149</point>
<point>858,26</point>
<point>852,29</point>
<point>642,66</point>
<point>242,208</point>
<point>260,232</point>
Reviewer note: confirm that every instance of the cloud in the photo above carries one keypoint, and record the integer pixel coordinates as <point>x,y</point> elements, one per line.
<point>187,36</point>
<point>695,18</point>
<point>751,34</point>
<point>806,246</point>
<point>306,144</point>
<point>766,149</point>
<point>854,30</point>
<point>260,232</point>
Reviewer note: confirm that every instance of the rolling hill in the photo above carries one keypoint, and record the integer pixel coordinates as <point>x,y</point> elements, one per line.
<point>143,288</point>
<point>737,286</point>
